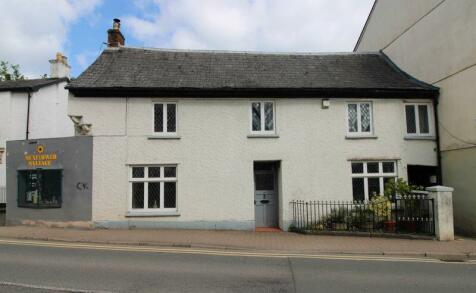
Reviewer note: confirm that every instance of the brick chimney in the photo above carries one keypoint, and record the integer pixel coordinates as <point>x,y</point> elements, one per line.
<point>59,67</point>
<point>114,35</point>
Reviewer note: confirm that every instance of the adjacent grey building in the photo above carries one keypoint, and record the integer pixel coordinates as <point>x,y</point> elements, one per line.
<point>49,180</point>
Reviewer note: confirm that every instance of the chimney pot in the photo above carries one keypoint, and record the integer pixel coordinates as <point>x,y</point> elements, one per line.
<point>114,35</point>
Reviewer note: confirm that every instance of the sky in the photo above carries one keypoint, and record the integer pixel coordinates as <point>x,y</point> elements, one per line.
<point>32,31</point>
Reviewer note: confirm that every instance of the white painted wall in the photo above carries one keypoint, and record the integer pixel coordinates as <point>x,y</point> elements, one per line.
<point>48,116</point>
<point>215,156</point>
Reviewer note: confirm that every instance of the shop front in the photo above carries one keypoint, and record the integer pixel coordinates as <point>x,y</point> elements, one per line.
<point>49,180</point>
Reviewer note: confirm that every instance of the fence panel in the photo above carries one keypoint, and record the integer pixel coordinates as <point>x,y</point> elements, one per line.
<point>403,214</point>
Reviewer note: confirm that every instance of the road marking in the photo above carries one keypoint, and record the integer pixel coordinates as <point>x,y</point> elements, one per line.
<point>110,247</point>
<point>49,288</point>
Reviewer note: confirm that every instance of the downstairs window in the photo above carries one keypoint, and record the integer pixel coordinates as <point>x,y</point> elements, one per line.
<point>369,178</point>
<point>153,188</point>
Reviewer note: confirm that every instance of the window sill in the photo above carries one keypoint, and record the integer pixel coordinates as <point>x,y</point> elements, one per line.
<point>369,136</point>
<point>152,214</point>
<point>164,136</point>
<point>419,137</point>
<point>263,135</point>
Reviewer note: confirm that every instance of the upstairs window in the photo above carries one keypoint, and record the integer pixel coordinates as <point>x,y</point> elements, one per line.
<point>262,117</point>
<point>418,119</point>
<point>359,118</point>
<point>1,156</point>
<point>165,118</point>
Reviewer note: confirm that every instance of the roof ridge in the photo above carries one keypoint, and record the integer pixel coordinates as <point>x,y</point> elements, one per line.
<point>242,52</point>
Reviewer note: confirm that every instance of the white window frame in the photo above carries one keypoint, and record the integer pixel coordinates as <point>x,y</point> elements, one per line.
<point>164,132</point>
<point>263,119</point>
<point>431,128</point>
<point>359,131</point>
<point>381,175</point>
<point>147,180</point>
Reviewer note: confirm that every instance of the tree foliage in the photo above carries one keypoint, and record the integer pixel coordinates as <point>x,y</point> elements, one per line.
<point>10,71</point>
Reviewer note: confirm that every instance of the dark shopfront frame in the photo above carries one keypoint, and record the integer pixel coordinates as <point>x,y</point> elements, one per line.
<point>25,184</point>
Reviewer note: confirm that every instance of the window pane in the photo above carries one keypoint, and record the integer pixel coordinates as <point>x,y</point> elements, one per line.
<point>256,116</point>
<point>158,117</point>
<point>374,187</point>
<point>365,117</point>
<point>372,167</point>
<point>50,188</point>
<point>154,172</point>
<point>264,181</point>
<point>352,109</point>
<point>268,115</point>
<point>32,186</point>
<point>388,167</point>
<point>154,195</point>
<point>170,172</point>
<point>137,195</point>
<point>423,117</point>
<point>138,172</point>
<point>357,168</point>
<point>170,195</point>
<point>171,117</point>
<point>410,114</point>
<point>358,190</point>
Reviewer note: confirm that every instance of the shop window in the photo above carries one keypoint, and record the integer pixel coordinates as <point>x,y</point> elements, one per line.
<point>40,188</point>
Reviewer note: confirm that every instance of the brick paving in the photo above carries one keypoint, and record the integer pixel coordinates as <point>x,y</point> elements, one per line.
<point>269,241</point>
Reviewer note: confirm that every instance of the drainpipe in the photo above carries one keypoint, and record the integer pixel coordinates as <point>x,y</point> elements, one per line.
<point>28,117</point>
<point>438,148</point>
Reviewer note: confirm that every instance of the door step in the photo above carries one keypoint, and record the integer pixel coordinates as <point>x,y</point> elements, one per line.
<point>267,229</point>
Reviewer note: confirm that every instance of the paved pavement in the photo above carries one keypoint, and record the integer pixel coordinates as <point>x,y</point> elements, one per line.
<point>280,242</point>
<point>41,268</point>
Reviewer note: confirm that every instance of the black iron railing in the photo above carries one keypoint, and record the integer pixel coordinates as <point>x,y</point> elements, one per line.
<point>403,214</point>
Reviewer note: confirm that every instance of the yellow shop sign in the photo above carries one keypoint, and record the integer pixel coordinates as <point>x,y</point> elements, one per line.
<point>40,158</point>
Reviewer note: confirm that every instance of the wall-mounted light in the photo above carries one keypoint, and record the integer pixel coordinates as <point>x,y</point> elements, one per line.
<point>326,103</point>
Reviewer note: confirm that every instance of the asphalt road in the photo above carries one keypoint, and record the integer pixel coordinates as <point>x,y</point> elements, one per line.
<point>31,268</point>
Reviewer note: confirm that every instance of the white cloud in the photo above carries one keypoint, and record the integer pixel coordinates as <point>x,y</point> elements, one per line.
<point>32,31</point>
<point>268,25</point>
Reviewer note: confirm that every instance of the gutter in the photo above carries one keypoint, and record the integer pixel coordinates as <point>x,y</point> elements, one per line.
<point>28,117</point>
<point>439,174</point>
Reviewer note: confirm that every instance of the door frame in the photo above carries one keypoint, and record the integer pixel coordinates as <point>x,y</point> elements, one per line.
<point>276,170</point>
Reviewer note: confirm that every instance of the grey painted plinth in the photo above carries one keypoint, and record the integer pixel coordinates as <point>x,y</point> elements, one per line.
<point>443,199</point>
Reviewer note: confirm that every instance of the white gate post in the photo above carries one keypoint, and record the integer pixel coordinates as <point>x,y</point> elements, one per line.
<point>443,211</point>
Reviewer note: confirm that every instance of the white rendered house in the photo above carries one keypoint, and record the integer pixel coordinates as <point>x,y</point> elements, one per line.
<point>34,108</point>
<point>225,140</point>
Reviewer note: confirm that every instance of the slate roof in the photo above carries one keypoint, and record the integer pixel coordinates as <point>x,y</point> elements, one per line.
<point>30,85</point>
<point>129,71</point>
